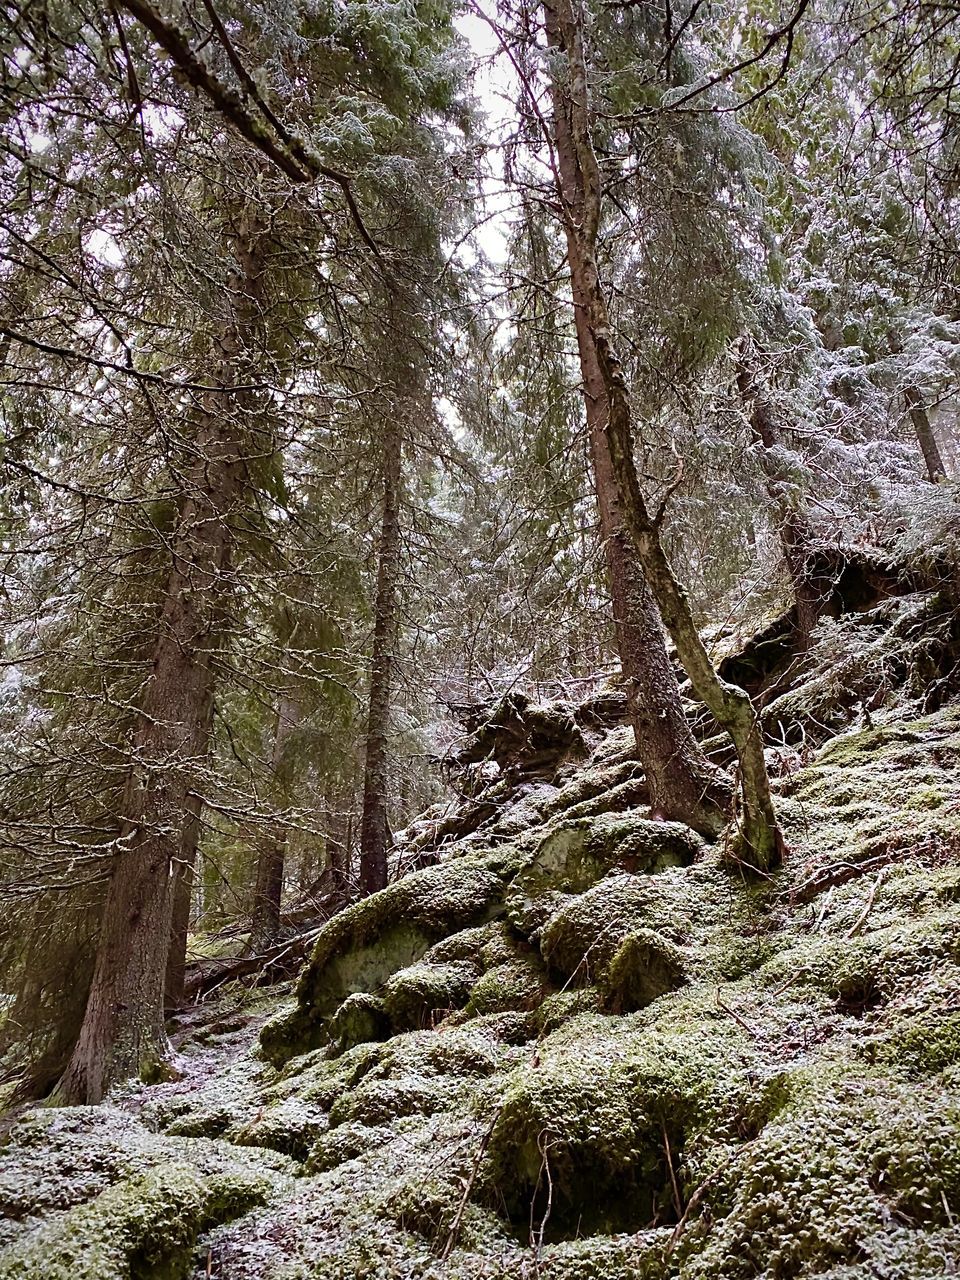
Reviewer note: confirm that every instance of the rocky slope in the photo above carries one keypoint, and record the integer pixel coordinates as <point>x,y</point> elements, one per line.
<point>580,1047</point>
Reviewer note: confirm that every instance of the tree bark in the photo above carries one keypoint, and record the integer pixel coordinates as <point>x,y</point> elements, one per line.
<point>811,591</point>
<point>184,874</point>
<point>374,824</point>
<point>268,893</point>
<point>917,409</point>
<point>122,1034</point>
<point>920,420</point>
<point>759,841</point>
<point>682,783</point>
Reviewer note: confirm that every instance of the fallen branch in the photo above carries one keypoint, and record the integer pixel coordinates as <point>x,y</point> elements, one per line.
<point>725,1008</point>
<point>677,1199</point>
<point>201,980</point>
<point>837,873</point>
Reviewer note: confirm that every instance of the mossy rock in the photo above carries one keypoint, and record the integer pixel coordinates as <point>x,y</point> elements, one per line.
<point>926,1045</point>
<point>365,945</point>
<point>346,1142</point>
<point>377,1101</point>
<point>143,1228</point>
<point>55,1161</point>
<point>576,854</point>
<point>518,984</point>
<point>563,1005</point>
<point>291,1127</point>
<point>420,995</point>
<point>848,1160</point>
<point>644,967</point>
<point>427,1206</point>
<point>634,1257</point>
<point>889,790</point>
<point>603,1100</point>
<point>582,936</point>
<point>361,1018</point>
<point>569,1112</point>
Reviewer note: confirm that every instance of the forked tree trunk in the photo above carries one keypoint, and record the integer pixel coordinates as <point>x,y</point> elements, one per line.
<point>272,854</point>
<point>759,841</point>
<point>122,1034</point>
<point>811,591</point>
<point>682,784</point>
<point>374,824</point>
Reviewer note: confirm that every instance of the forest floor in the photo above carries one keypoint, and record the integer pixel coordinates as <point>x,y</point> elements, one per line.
<point>580,1046</point>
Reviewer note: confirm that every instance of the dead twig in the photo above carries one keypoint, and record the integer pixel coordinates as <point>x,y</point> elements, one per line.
<point>536,1236</point>
<point>836,874</point>
<point>694,1202</point>
<point>861,919</point>
<point>677,1201</point>
<point>454,1233</point>
<point>725,1008</point>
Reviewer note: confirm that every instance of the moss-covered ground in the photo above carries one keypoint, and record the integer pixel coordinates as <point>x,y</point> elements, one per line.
<point>583,1050</point>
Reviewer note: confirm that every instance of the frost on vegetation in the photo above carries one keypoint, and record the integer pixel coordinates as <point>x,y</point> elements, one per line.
<point>886,790</point>
<point>90,1193</point>
<point>595,1034</point>
<point>366,944</point>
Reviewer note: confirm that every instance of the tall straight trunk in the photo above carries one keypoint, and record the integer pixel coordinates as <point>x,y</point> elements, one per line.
<point>374,825</point>
<point>920,420</point>
<point>759,840</point>
<point>682,784</point>
<point>122,1034</point>
<point>811,591</point>
<point>917,409</point>
<point>272,854</point>
<point>184,876</point>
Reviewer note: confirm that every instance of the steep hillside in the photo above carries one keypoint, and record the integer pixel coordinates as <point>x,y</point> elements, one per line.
<point>581,1046</point>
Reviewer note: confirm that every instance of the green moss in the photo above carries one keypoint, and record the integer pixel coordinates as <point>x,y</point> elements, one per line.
<point>644,967</point>
<point>880,791</point>
<point>925,798</point>
<point>563,1005</point>
<point>602,1101</point>
<point>848,1159</point>
<point>291,1127</point>
<point>420,995</point>
<point>360,1019</point>
<point>637,1257</point>
<point>144,1228</point>
<point>518,983</point>
<point>346,1142</point>
<point>366,944</point>
<point>427,1206</point>
<point>923,1046</point>
<point>377,1101</point>
<point>797,1053</point>
<point>580,938</point>
<point>576,854</point>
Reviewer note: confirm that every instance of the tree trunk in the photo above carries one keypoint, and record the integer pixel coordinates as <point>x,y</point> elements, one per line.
<point>123,1031</point>
<point>917,410</point>
<point>759,841</point>
<point>682,783</point>
<point>811,592</point>
<point>184,875</point>
<point>920,420</point>
<point>268,893</point>
<point>374,826</point>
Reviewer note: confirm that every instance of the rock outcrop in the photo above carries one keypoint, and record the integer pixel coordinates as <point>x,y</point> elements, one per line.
<point>578,1047</point>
